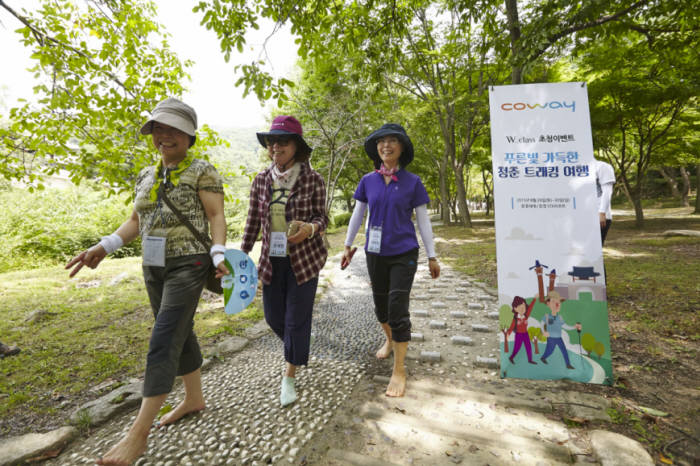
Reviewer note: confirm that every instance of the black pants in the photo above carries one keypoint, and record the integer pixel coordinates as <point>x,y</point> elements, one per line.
<point>604,230</point>
<point>174,292</point>
<point>288,308</point>
<point>392,278</point>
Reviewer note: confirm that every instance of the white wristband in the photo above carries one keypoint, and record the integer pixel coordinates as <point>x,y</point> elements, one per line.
<point>111,243</point>
<point>217,249</point>
<point>217,254</point>
<point>217,259</point>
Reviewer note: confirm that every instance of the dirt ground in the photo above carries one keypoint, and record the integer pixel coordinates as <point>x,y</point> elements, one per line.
<point>652,370</point>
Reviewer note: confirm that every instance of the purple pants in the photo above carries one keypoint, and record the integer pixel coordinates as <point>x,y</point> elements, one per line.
<point>522,339</point>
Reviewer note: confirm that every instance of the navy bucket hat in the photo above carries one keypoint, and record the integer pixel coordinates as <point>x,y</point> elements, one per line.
<point>389,129</point>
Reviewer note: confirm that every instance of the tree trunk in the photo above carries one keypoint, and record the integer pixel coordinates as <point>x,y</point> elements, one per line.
<point>537,347</point>
<point>638,211</point>
<point>463,208</point>
<point>697,189</point>
<point>634,195</point>
<point>444,195</point>
<point>685,190</point>
<point>514,31</point>
<point>670,178</point>
<point>505,342</point>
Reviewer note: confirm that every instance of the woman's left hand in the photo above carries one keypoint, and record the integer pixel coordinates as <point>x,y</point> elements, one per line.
<point>434,268</point>
<point>222,270</point>
<point>303,232</point>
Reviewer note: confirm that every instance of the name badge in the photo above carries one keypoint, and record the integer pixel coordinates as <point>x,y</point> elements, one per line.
<point>375,239</point>
<point>153,251</point>
<point>278,244</point>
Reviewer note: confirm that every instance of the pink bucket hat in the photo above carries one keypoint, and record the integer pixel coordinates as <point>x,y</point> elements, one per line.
<point>284,125</point>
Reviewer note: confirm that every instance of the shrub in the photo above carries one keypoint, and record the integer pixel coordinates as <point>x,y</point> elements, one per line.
<point>50,226</point>
<point>342,219</point>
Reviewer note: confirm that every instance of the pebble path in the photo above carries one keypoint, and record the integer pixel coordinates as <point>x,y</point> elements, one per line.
<point>452,361</point>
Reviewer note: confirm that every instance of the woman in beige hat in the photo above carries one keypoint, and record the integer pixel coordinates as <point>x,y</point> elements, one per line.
<point>175,265</point>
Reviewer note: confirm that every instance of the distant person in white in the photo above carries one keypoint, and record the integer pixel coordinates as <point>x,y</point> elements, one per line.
<point>604,181</point>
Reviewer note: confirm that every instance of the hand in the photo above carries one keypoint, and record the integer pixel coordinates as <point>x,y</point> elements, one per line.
<point>222,270</point>
<point>601,217</point>
<point>578,326</point>
<point>347,257</point>
<point>546,334</point>
<point>434,267</point>
<point>299,234</point>
<point>92,258</point>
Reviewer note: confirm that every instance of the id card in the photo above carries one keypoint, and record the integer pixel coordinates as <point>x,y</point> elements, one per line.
<point>278,244</point>
<point>153,251</point>
<point>375,240</point>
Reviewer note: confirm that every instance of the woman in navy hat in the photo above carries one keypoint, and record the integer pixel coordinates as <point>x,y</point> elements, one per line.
<point>287,201</point>
<point>176,266</point>
<point>391,246</point>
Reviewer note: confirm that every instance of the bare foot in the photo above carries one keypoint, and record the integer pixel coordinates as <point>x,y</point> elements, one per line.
<point>180,411</point>
<point>385,351</point>
<point>397,384</point>
<point>126,451</point>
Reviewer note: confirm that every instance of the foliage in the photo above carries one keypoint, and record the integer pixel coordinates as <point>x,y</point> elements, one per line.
<point>639,93</point>
<point>50,226</point>
<point>588,342</point>
<point>536,332</point>
<point>102,66</point>
<point>599,349</point>
<point>342,219</point>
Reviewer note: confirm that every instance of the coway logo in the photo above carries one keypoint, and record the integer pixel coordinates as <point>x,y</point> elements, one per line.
<point>554,105</point>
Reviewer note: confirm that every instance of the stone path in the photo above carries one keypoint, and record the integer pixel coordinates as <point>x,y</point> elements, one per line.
<point>456,411</point>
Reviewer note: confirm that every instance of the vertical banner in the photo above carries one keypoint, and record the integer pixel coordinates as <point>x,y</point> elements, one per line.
<point>553,313</point>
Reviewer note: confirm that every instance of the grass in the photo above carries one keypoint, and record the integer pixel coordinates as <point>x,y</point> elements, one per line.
<point>77,333</point>
<point>653,299</point>
<point>653,281</point>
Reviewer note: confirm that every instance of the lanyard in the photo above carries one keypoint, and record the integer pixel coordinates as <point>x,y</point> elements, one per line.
<point>159,197</point>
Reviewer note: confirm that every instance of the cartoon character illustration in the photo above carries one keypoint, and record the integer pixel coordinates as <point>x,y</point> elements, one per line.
<point>519,324</point>
<point>553,325</point>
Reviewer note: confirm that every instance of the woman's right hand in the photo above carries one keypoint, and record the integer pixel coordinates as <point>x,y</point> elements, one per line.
<point>347,257</point>
<point>92,258</point>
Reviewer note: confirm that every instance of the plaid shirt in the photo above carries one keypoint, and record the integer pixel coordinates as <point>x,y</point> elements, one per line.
<point>306,203</point>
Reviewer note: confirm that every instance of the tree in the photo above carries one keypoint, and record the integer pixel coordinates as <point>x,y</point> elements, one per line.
<point>588,342</point>
<point>637,97</point>
<point>599,349</point>
<point>505,318</point>
<point>553,24</point>
<point>535,334</point>
<point>102,66</point>
<point>435,51</point>
<point>335,107</point>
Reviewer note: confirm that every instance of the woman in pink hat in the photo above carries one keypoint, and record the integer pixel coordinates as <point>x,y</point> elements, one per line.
<point>287,201</point>
<point>176,265</point>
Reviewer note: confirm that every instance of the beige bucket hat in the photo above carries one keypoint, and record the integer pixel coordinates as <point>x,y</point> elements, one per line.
<point>173,112</point>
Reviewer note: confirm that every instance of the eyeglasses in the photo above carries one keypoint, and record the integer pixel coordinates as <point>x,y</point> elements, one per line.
<point>281,141</point>
<point>391,140</point>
